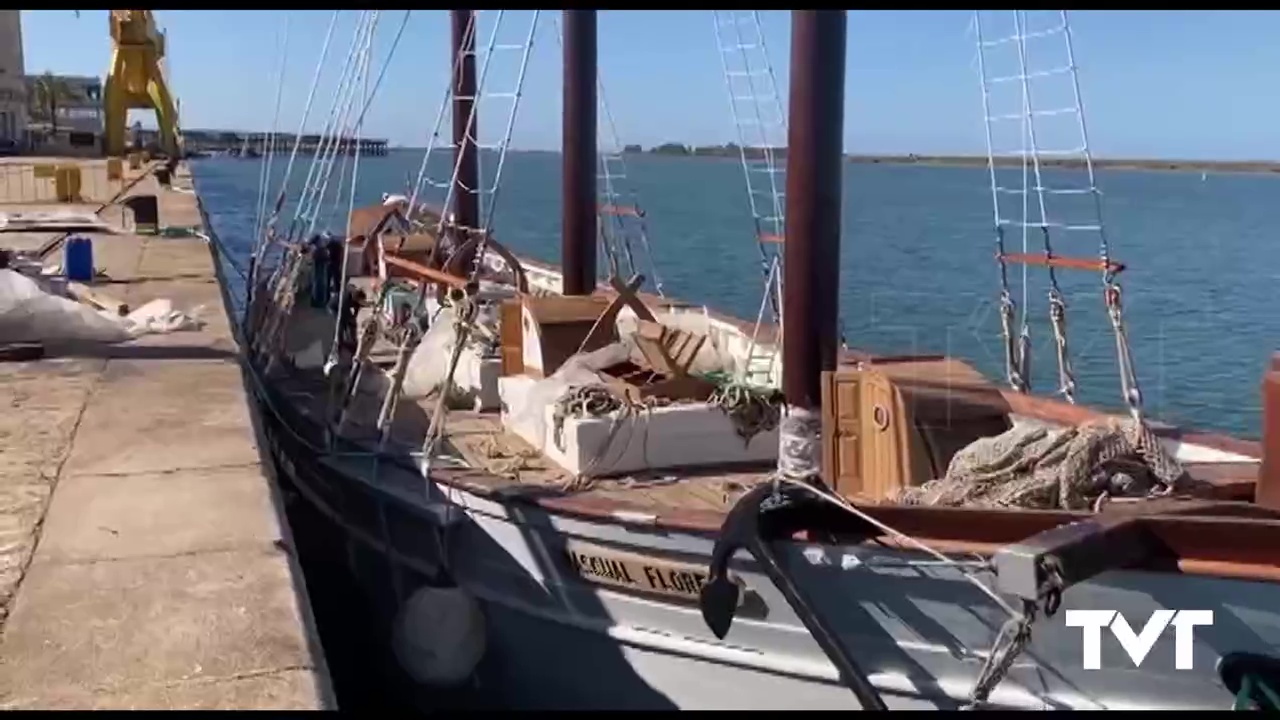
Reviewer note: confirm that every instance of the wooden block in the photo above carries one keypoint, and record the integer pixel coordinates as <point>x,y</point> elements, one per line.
<point>67,183</point>
<point>96,298</point>
<point>669,351</point>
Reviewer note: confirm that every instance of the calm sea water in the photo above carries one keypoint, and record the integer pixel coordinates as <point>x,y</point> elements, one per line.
<point>916,263</point>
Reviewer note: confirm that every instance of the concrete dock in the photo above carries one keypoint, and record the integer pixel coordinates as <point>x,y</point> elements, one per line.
<point>144,559</point>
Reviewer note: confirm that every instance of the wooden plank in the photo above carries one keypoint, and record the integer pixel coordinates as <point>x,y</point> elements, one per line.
<point>422,272</point>
<point>511,336</point>
<point>97,298</point>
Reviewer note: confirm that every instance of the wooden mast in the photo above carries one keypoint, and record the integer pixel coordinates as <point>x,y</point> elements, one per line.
<point>466,184</point>
<point>815,149</point>
<point>578,242</point>
<point>811,259</point>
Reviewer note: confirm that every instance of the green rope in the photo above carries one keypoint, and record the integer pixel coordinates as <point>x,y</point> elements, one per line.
<point>719,378</point>
<point>750,408</point>
<point>179,231</point>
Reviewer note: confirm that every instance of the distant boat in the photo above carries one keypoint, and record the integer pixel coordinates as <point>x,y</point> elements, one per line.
<point>1204,176</point>
<point>246,150</point>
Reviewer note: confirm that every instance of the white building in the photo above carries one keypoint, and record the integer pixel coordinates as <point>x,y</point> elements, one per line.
<point>13,91</point>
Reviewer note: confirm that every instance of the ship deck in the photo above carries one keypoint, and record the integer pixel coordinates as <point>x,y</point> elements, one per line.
<point>507,465</point>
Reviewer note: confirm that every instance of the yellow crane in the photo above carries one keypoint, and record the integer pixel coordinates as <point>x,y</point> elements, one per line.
<point>136,80</point>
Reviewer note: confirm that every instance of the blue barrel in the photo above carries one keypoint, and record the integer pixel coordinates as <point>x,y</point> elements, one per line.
<point>77,259</point>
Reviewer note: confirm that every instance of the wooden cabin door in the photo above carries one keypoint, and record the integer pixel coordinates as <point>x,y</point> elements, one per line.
<point>882,471</point>
<point>842,432</point>
<point>511,336</point>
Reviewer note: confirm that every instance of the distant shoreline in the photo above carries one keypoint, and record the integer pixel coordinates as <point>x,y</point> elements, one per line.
<point>1160,164</point>
<point>1229,166</point>
<point>970,161</point>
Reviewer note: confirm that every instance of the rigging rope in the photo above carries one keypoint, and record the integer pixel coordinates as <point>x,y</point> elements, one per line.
<point>349,130</point>
<point>1057,303</point>
<point>287,276</point>
<point>1111,289</point>
<point>464,329</point>
<point>468,40</point>
<point>321,153</point>
<point>259,223</point>
<point>332,361</point>
<point>297,141</point>
<point>466,302</point>
<point>340,127</point>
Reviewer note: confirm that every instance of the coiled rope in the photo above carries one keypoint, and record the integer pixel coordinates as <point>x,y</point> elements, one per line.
<point>750,408</point>
<point>581,401</point>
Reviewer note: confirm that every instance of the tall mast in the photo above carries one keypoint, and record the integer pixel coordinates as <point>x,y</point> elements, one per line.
<point>578,244</point>
<point>466,188</point>
<point>815,155</point>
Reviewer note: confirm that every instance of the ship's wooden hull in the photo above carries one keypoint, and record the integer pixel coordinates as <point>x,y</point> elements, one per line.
<point>556,640</point>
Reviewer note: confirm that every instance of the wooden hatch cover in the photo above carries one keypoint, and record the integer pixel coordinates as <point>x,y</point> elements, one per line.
<point>561,326</point>
<point>663,371</point>
<point>891,423</point>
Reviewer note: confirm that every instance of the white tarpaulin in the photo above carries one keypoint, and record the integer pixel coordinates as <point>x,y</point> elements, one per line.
<point>28,313</point>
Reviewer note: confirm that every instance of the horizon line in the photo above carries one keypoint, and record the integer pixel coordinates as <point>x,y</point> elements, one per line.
<point>925,157</point>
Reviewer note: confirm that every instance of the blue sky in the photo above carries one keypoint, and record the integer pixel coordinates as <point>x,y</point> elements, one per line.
<point>1155,83</point>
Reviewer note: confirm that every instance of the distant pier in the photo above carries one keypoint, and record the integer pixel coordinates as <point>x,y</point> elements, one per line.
<point>224,141</point>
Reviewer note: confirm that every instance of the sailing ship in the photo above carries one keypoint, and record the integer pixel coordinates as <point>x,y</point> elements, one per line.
<point>550,487</point>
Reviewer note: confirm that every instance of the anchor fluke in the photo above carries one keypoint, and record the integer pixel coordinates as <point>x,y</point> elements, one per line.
<point>760,522</point>
<point>720,597</point>
<point>719,600</point>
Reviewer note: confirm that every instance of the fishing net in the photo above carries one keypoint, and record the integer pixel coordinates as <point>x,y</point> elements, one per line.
<point>1069,468</point>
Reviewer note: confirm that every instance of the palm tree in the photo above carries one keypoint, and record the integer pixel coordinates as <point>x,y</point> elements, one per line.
<point>49,93</point>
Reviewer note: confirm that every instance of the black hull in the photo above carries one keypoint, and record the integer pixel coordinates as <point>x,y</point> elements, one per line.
<point>357,584</point>
<point>343,530</point>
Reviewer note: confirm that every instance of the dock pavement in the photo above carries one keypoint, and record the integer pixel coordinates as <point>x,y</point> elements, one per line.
<point>144,559</point>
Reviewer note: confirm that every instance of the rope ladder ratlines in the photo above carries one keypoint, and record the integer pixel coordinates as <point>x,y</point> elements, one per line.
<point>1039,212</point>
<point>315,189</point>
<point>265,237</point>
<point>464,307</point>
<point>760,123</point>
